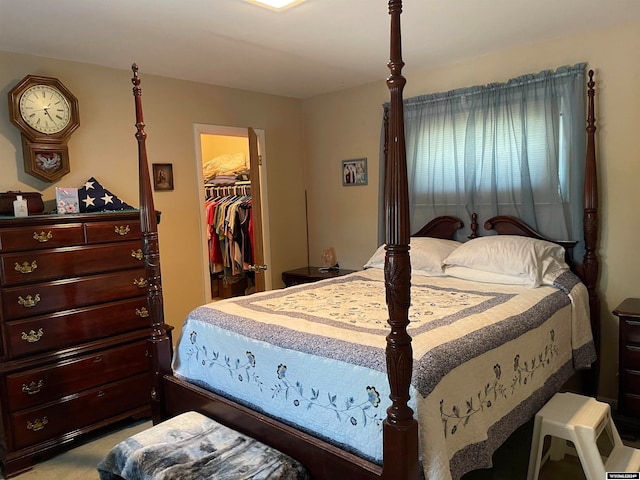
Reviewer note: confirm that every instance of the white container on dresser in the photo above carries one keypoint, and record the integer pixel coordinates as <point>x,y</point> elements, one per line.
<point>73,316</point>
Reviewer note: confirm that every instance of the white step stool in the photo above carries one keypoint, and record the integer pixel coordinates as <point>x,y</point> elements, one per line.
<point>581,420</point>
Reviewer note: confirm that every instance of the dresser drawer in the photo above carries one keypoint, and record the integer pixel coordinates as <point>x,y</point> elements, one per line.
<point>49,421</point>
<point>631,357</point>
<point>631,329</point>
<point>58,330</point>
<point>30,267</point>
<point>37,386</point>
<point>631,406</point>
<point>631,380</point>
<point>39,298</point>
<point>118,231</point>
<point>41,236</point>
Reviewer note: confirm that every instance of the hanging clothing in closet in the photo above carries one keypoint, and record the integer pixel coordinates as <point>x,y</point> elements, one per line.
<point>230,230</point>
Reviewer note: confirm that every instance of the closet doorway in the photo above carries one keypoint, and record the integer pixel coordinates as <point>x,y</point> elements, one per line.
<point>230,164</point>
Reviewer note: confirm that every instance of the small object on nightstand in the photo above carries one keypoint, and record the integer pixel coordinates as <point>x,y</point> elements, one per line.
<point>334,268</point>
<point>628,411</point>
<point>311,274</point>
<point>329,258</point>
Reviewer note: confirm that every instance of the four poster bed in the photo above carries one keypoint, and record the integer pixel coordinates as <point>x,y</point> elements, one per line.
<point>316,380</point>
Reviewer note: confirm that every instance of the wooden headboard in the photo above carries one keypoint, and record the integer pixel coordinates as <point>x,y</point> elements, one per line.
<point>445,227</point>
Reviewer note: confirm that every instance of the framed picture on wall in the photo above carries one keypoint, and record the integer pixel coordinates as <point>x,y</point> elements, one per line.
<point>354,172</point>
<point>162,176</point>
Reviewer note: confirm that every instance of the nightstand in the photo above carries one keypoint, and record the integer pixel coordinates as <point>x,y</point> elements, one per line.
<point>628,412</point>
<point>310,275</point>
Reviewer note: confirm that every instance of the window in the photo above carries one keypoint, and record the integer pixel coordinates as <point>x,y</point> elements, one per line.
<point>502,149</point>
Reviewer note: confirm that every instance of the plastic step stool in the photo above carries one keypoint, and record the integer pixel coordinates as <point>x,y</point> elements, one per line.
<point>580,420</point>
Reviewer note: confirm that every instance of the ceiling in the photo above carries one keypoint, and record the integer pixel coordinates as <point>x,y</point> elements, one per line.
<point>316,47</point>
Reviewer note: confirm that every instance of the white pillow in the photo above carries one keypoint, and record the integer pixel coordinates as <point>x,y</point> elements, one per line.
<point>466,273</point>
<point>426,254</point>
<point>530,261</point>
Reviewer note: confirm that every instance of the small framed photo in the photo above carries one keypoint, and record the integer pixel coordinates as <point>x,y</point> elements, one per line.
<point>162,176</point>
<point>354,172</point>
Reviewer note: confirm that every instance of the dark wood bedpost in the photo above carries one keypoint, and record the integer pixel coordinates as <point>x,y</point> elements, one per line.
<point>159,344</point>
<point>590,263</point>
<point>400,430</point>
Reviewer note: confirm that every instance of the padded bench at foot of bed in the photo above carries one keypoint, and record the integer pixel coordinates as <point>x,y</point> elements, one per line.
<point>192,446</point>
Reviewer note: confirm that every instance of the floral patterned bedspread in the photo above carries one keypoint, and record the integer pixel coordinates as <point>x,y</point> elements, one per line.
<point>486,358</point>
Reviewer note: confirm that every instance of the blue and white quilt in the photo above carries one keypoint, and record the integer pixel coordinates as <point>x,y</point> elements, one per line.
<point>486,358</point>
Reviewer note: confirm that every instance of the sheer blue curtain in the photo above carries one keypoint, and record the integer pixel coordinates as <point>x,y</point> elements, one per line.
<point>514,148</point>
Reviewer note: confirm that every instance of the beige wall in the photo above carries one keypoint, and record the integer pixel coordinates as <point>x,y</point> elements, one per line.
<point>347,125</point>
<point>104,146</point>
<point>215,145</point>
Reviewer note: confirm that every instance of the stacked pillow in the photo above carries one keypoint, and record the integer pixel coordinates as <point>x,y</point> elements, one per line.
<point>507,259</point>
<point>427,255</point>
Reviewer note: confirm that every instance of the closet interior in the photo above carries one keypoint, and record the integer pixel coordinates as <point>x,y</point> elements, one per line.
<point>227,190</point>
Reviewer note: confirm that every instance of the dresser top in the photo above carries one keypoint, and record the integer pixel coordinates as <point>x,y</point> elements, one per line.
<point>628,308</point>
<point>10,221</point>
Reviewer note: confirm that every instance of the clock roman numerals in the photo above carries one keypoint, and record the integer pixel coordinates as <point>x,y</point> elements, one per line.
<point>46,113</point>
<point>38,104</point>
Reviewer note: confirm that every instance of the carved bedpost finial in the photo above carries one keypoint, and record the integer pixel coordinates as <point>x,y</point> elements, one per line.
<point>474,226</point>
<point>137,91</point>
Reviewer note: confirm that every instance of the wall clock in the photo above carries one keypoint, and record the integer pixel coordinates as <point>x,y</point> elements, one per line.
<point>46,113</point>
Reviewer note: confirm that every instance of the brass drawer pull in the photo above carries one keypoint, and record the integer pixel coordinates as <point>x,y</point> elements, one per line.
<point>32,337</point>
<point>137,254</point>
<point>37,424</point>
<point>33,387</point>
<point>122,230</point>
<point>26,267</point>
<point>97,359</point>
<point>140,282</point>
<point>42,237</point>
<point>30,301</point>
<point>142,312</point>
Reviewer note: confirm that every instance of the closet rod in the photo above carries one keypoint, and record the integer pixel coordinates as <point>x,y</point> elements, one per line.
<point>222,190</point>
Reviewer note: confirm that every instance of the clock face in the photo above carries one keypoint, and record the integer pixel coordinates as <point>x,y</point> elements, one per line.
<point>45,109</point>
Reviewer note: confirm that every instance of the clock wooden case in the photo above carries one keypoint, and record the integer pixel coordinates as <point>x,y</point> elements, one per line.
<point>46,113</point>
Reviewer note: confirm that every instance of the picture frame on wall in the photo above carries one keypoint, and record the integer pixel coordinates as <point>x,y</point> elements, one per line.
<point>162,176</point>
<point>354,172</point>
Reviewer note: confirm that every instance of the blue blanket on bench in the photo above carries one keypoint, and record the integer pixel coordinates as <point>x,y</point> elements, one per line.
<point>192,447</point>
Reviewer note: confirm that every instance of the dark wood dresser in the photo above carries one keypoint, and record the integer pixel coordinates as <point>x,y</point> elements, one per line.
<point>628,411</point>
<point>74,330</point>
